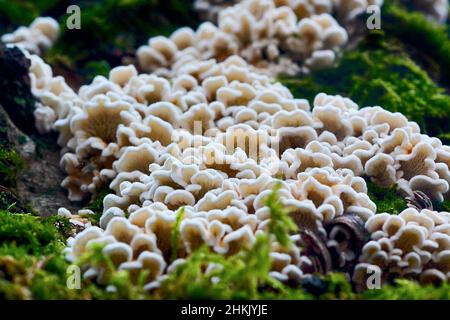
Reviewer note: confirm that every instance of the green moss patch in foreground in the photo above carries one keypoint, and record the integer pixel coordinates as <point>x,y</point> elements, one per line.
<point>34,235</point>
<point>96,205</point>
<point>409,290</point>
<point>23,12</point>
<point>32,266</point>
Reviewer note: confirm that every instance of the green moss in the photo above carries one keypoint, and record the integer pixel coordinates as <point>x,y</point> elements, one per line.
<point>337,287</point>
<point>25,276</point>
<point>10,202</point>
<point>110,31</point>
<point>32,266</point>
<point>280,225</point>
<point>409,290</point>
<point>96,205</point>
<point>11,163</point>
<point>62,226</point>
<point>125,287</point>
<point>96,68</point>
<point>23,12</point>
<point>442,206</point>
<point>176,233</point>
<point>30,232</point>
<point>380,73</point>
<point>32,263</point>
<point>22,139</point>
<point>386,199</point>
<point>241,276</point>
<point>107,36</point>
<point>430,39</point>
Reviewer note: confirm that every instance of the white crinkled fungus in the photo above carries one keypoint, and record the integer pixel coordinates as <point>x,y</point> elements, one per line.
<point>215,140</point>
<point>36,38</point>
<point>274,38</point>
<point>345,10</point>
<point>210,130</point>
<point>413,244</point>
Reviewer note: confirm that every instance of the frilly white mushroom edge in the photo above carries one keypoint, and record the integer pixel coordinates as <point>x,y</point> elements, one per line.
<point>273,39</point>
<point>37,38</point>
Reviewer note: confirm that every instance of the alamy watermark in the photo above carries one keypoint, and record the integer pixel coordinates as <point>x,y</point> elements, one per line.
<point>374,278</point>
<point>73,273</point>
<point>374,20</point>
<point>74,20</point>
<point>73,281</point>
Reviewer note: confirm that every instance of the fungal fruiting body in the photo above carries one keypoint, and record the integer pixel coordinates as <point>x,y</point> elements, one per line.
<point>36,38</point>
<point>346,11</point>
<point>414,244</point>
<point>219,152</point>
<point>209,130</point>
<point>272,38</point>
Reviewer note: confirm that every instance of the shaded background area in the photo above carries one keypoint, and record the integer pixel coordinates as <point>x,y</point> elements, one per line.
<point>111,30</point>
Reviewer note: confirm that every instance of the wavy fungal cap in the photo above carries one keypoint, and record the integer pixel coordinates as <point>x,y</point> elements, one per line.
<point>208,129</point>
